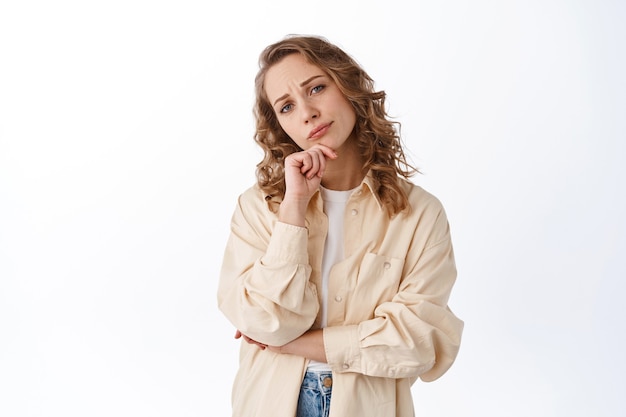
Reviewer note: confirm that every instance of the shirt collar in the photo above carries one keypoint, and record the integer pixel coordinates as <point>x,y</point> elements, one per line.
<point>370,184</point>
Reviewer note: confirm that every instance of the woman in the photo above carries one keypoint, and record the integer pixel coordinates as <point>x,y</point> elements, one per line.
<point>338,270</point>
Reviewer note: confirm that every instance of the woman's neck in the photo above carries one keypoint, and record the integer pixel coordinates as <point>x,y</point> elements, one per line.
<point>346,172</point>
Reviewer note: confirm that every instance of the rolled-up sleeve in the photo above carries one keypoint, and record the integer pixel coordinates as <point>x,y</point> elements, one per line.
<point>264,287</point>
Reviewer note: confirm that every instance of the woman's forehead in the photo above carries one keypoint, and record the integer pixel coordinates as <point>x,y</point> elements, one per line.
<point>291,71</point>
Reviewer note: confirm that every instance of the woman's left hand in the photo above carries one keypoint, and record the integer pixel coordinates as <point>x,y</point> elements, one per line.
<point>239,335</point>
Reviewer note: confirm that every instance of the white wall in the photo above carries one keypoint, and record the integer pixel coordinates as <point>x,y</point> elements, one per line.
<point>125,138</point>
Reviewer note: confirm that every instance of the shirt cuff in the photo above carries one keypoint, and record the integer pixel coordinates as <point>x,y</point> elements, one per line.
<point>288,243</point>
<point>343,352</point>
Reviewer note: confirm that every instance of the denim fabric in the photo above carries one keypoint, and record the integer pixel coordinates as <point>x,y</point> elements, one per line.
<point>314,400</point>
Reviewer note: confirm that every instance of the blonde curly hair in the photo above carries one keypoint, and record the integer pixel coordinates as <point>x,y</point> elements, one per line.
<point>378,139</point>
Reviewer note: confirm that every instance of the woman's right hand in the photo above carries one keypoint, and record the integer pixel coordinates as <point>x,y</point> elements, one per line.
<point>304,170</point>
<point>303,175</point>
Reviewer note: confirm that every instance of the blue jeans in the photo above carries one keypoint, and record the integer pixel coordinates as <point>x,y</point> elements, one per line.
<point>314,400</point>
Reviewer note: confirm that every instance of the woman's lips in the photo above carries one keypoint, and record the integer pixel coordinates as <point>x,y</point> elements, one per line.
<point>319,131</point>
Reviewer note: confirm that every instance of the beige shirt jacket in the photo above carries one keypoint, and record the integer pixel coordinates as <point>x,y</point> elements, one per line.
<point>388,316</point>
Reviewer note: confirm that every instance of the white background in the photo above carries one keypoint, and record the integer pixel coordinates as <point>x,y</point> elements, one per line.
<point>126,136</point>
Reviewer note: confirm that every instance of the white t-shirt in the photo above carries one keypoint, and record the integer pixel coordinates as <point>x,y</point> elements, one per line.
<point>334,208</point>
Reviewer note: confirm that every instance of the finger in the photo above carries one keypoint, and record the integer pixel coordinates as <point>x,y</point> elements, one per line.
<point>310,164</point>
<point>254,342</point>
<point>322,167</point>
<point>328,152</point>
<point>299,160</point>
<point>306,162</point>
<point>237,334</point>
<point>319,162</point>
<point>315,156</point>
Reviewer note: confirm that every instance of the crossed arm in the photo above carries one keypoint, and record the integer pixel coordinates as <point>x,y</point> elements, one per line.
<point>310,345</point>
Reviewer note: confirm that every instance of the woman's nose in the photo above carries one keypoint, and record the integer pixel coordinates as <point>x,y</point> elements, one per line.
<point>310,113</point>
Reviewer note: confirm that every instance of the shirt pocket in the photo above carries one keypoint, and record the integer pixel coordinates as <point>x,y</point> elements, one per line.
<point>377,280</point>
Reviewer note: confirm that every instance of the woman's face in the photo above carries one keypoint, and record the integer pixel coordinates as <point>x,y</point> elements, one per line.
<point>308,104</point>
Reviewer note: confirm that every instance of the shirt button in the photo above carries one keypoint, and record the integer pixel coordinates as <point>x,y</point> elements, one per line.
<point>354,212</point>
<point>345,366</point>
<point>386,265</point>
<point>338,298</point>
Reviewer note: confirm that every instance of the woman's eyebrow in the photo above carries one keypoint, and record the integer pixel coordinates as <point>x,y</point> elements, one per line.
<point>308,80</point>
<point>302,84</point>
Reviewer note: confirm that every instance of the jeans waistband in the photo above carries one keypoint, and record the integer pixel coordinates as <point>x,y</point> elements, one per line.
<point>322,381</point>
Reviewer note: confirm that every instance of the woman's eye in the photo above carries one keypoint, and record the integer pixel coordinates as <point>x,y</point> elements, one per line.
<point>286,108</point>
<point>317,89</point>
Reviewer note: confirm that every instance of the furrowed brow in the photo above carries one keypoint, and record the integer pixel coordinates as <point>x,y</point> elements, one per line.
<point>302,84</point>
<point>308,80</point>
<point>284,96</point>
